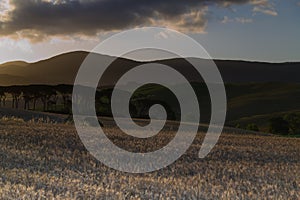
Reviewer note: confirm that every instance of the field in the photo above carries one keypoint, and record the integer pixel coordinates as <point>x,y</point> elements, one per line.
<point>46,161</point>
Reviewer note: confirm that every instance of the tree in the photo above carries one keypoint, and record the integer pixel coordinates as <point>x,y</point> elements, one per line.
<point>294,122</point>
<point>36,96</point>
<point>278,125</point>
<point>66,93</point>
<point>2,96</point>
<point>46,95</point>
<point>252,127</point>
<point>16,93</point>
<point>37,91</point>
<point>27,96</point>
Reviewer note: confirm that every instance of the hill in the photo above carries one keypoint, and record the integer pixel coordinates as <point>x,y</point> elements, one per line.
<point>246,102</point>
<point>62,69</point>
<point>256,91</point>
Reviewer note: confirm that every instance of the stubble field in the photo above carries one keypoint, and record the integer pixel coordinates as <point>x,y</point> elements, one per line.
<point>48,161</point>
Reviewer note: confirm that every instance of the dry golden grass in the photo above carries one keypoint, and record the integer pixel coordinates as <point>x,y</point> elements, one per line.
<point>47,161</point>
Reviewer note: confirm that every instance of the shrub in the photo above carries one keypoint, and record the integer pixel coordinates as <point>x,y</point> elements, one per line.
<point>278,125</point>
<point>294,122</point>
<point>252,127</point>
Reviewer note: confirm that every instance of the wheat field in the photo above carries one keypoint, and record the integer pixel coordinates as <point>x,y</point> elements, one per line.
<point>48,161</point>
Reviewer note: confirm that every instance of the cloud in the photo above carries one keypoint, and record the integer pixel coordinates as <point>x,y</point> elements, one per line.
<point>226,20</point>
<point>265,11</point>
<point>41,19</point>
<point>241,20</point>
<point>4,10</point>
<point>260,2</point>
<point>13,45</point>
<point>193,21</point>
<point>264,6</point>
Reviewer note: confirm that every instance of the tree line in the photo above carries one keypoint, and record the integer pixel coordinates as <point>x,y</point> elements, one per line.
<point>32,94</point>
<point>48,96</point>
<point>289,124</point>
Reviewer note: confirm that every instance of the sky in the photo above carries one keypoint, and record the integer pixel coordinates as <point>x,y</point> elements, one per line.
<point>255,30</point>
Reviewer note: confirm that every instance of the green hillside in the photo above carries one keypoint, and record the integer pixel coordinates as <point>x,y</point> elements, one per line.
<point>247,103</point>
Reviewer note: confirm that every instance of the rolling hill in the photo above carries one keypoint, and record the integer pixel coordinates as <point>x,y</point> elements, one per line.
<point>256,91</point>
<point>62,69</point>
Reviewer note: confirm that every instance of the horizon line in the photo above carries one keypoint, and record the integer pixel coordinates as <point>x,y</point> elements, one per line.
<point>162,59</point>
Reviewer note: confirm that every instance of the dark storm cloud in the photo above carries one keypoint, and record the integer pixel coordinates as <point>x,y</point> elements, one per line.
<point>36,19</point>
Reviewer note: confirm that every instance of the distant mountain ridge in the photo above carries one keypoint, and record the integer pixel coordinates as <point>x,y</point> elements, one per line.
<point>62,69</point>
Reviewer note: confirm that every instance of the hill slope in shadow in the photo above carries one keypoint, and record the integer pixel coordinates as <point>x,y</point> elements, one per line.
<point>62,69</point>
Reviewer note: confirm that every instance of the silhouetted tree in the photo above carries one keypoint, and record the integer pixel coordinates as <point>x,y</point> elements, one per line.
<point>66,93</point>
<point>294,122</point>
<point>35,98</point>
<point>103,102</point>
<point>27,96</point>
<point>46,94</point>
<point>279,126</point>
<point>36,94</point>
<point>16,93</point>
<point>141,106</point>
<point>2,96</point>
<point>51,103</point>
